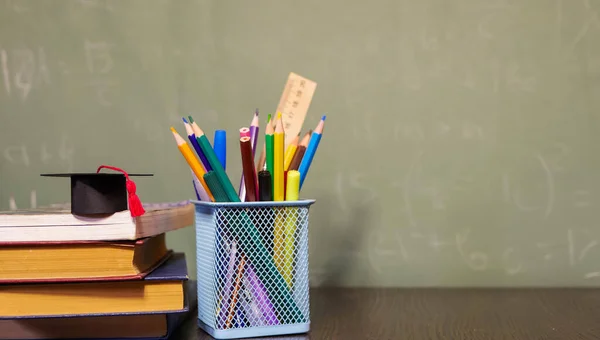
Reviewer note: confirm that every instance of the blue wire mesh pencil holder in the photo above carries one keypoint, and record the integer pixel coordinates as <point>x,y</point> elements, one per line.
<point>252,268</point>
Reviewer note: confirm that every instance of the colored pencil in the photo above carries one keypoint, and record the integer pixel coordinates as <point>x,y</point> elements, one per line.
<point>292,194</point>
<point>196,184</point>
<point>253,134</point>
<point>263,155</point>
<point>289,153</point>
<point>260,296</point>
<point>236,289</point>
<point>300,150</point>
<point>254,130</point>
<point>194,164</point>
<point>203,159</point>
<point>269,140</point>
<point>193,141</point>
<point>244,132</point>
<point>215,186</point>
<point>248,169</point>
<point>278,147</point>
<point>228,287</point>
<point>313,144</point>
<point>220,147</point>
<point>216,165</point>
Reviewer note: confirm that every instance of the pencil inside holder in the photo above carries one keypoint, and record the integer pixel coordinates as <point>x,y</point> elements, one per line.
<point>255,271</point>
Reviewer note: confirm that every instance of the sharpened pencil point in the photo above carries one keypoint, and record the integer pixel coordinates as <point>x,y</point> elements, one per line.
<point>278,115</point>
<point>173,129</point>
<point>191,119</point>
<point>185,121</point>
<point>268,117</point>
<point>323,118</point>
<point>256,112</point>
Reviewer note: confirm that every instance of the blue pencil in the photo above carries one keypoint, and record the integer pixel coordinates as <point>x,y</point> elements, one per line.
<point>313,144</point>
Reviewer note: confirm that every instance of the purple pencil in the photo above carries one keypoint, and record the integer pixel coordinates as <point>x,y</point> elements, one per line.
<point>254,128</point>
<point>189,128</point>
<point>260,297</point>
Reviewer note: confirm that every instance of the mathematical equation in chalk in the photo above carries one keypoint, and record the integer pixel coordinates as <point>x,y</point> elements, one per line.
<point>575,249</point>
<point>44,153</point>
<point>416,180</point>
<point>25,70</point>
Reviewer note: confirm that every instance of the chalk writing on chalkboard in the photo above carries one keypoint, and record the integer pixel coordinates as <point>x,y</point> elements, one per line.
<point>575,247</point>
<point>12,203</point>
<point>99,63</point>
<point>23,69</point>
<point>24,155</point>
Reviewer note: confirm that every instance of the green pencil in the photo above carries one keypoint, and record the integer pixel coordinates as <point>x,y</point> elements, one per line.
<point>270,148</point>
<point>215,187</point>
<point>216,166</point>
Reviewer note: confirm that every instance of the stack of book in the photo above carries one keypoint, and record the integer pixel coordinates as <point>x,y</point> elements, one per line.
<point>65,276</point>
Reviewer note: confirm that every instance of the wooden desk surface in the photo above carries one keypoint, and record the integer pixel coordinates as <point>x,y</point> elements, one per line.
<point>342,313</point>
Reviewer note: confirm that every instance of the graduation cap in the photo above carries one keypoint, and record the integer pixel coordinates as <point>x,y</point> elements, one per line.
<point>103,193</point>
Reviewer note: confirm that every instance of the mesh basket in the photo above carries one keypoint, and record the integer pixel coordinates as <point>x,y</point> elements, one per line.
<point>252,263</point>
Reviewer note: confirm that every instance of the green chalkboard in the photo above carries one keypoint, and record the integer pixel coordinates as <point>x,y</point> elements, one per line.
<point>461,139</point>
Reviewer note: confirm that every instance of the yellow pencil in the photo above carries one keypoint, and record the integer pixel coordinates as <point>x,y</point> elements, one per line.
<point>193,162</point>
<point>278,146</point>
<point>290,152</point>
<point>292,193</point>
<point>278,195</point>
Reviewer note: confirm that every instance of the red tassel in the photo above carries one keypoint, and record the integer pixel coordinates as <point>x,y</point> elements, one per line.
<point>135,205</point>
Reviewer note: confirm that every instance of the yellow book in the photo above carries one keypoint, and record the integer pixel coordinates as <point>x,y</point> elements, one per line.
<point>160,291</point>
<point>78,261</point>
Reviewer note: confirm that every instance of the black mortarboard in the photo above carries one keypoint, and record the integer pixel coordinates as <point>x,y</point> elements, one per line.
<point>103,193</point>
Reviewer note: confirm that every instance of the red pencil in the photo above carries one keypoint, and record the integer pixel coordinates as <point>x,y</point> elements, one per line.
<point>248,169</point>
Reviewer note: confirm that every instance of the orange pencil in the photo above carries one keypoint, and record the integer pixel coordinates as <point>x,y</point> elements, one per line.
<point>194,163</point>
<point>236,291</point>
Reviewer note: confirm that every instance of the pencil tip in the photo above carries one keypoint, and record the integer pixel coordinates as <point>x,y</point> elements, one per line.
<point>278,115</point>
<point>191,119</point>
<point>269,117</point>
<point>256,112</point>
<point>185,121</point>
<point>173,129</point>
<point>323,118</point>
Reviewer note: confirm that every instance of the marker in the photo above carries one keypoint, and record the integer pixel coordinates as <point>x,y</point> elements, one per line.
<point>220,147</point>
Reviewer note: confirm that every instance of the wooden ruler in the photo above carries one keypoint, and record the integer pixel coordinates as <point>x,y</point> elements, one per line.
<point>294,104</point>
